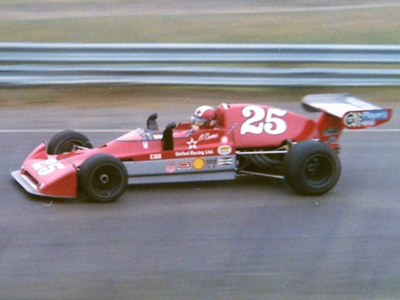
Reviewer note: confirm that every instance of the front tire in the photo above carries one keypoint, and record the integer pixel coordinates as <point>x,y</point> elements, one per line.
<point>103,178</point>
<point>312,167</point>
<point>67,141</point>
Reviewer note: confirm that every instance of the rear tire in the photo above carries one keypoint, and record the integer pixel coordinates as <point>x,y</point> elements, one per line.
<point>103,178</point>
<point>66,141</point>
<point>312,167</point>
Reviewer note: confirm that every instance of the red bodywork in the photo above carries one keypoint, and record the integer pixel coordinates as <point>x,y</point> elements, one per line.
<point>239,127</point>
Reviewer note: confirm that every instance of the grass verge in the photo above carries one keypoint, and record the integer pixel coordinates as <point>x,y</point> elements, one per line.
<point>370,25</point>
<point>162,96</point>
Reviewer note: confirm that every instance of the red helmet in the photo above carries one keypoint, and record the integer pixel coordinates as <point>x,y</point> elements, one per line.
<point>204,116</point>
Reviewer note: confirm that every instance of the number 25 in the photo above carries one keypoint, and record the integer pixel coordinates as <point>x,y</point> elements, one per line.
<point>274,124</point>
<point>48,166</point>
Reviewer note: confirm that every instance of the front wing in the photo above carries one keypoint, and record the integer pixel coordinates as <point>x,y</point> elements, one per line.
<point>45,175</point>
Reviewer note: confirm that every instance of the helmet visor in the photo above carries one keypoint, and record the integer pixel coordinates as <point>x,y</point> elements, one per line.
<point>198,121</point>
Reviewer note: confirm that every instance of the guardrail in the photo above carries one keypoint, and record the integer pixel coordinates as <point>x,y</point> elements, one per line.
<point>25,64</point>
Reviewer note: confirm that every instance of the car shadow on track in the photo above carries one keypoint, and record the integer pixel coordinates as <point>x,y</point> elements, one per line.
<point>244,185</point>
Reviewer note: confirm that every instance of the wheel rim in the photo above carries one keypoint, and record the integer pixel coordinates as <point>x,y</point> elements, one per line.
<point>319,170</point>
<point>106,180</point>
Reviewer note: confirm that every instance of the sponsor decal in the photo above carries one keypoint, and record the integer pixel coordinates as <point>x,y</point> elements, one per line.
<point>365,118</point>
<point>211,163</point>
<point>203,137</point>
<point>184,165</point>
<point>208,136</point>
<point>224,150</point>
<point>192,144</point>
<point>170,167</point>
<point>226,161</point>
<point>145,145</point>
<point>156,156</point>
<point>48,166</point>
<point>376,115</point>
<point>353,119</point>
<point>198,163</point>
<point>194,153</point>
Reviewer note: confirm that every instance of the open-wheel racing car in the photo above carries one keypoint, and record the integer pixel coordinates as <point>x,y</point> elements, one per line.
<point>218,144</point>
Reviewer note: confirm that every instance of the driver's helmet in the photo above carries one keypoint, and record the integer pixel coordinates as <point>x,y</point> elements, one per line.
<point>204,117</point>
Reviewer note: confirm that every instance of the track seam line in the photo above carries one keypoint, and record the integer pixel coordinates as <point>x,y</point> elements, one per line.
<point>128,130</point>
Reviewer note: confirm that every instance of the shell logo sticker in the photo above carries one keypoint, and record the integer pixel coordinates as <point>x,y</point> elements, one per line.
<point>224,150</point>
<point>199,163</point>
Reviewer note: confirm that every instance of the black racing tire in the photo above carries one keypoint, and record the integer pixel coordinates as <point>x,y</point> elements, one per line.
<point>312,168</point>
<point>102,178</point>
<point>66,141</point>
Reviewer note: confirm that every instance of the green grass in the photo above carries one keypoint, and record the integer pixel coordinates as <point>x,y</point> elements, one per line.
<point>165,96</point>
<point>350,26</point>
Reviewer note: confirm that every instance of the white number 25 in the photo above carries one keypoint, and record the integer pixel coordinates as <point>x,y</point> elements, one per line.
<point>48,166</point>
<point>274,124</point>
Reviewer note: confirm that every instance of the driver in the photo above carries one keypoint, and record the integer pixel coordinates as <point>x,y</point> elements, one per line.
<point>204,117</point>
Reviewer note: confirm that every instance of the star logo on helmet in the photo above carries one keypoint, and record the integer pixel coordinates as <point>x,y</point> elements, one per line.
<point>192,144</point>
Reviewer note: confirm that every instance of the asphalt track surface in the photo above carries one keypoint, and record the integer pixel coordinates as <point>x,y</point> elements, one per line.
<point>247,239</point>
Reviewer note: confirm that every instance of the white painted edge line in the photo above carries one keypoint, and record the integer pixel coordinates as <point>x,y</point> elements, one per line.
<point>58,130</point>
<point>128,130</point>
<point>373,130</point>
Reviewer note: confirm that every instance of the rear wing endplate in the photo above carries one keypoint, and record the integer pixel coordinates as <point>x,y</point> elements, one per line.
<point>354,112</point>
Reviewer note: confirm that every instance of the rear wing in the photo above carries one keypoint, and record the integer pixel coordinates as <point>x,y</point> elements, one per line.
<point>354,112</point>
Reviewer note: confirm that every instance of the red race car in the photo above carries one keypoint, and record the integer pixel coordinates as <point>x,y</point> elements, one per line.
<point>218,144</point>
